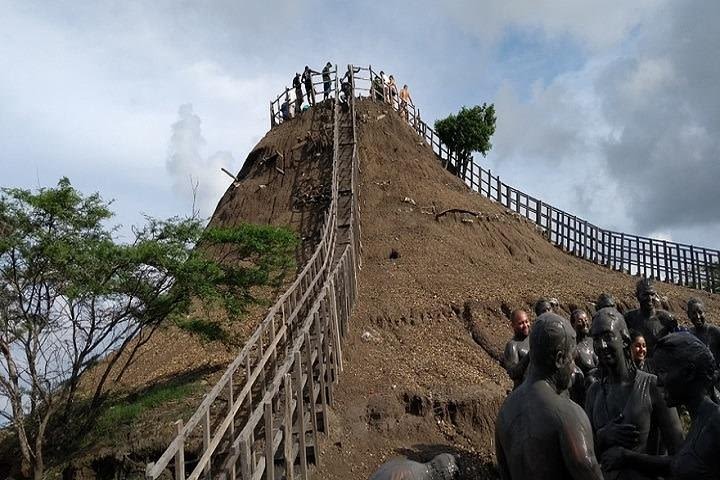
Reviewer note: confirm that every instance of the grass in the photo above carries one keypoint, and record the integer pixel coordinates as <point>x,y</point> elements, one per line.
<point>133,406</point>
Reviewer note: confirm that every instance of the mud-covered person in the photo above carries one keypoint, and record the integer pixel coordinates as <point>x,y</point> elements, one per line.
<point>442,467</point>
<point>585,359</point>
<point>540,433</point>
<point>686,371</point>
<point>707,333</point>
<point>653,323</point>
<point>515,358</point>
<point>626,407</point>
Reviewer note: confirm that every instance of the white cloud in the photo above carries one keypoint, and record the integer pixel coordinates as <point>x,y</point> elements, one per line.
<point>597,25</point>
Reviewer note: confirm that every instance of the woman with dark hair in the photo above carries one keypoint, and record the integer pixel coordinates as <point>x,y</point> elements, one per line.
<point>625,406</point>
<point>686,371</point>
<point>638,349</point>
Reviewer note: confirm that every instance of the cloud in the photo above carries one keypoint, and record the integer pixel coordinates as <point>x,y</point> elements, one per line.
<point>662,102</point>
<point>597,25</point>
<point>195,178</point>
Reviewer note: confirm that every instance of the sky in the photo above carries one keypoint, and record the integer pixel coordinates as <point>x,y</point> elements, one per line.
<point>609,110</point>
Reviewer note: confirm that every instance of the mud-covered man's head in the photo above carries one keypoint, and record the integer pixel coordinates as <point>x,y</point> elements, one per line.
<point>605,300</point>
<point>543,305</point>
<point>579,321</point>
<point>445,467</point>
<point>685,368</point>
<point>611,339</point>
<point>696,312</point>
<point>520,323</point>
<point>646,294</point>
<point>552,349</point>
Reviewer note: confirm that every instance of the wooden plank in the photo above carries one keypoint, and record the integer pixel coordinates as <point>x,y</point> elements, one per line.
<point>300,414</point>
<point>269,443</point>
<point>308,348</point>
<point>336,326</point>
<point>180,454</point>
<point>231,402</point>
<point>245,456</point>
<point>287,429</point>
<point>206,441</point>
<point>321,373</point>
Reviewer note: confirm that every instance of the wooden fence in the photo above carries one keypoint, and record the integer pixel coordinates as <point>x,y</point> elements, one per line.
<point>262,418</point>
<point>662,260</point>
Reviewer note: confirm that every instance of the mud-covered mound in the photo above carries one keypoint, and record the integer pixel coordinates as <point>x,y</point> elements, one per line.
<point>421,371</point>
<point>286,180</point>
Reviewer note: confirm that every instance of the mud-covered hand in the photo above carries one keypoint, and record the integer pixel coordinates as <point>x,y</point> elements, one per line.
<point>617,434</point>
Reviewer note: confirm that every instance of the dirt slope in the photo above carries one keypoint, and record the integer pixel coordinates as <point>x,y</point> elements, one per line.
<point>416,382</point>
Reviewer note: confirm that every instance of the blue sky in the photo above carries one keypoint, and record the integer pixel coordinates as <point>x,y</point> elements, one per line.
<point>607,109</point>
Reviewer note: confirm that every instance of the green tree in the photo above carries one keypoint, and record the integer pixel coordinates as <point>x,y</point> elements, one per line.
<point>467,132</point>
<point>71,295</point>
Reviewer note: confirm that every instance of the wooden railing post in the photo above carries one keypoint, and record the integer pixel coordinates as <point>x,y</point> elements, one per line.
<point>180,454</point>
<point>287,431</point>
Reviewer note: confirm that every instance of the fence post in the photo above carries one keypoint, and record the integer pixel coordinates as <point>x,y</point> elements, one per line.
<point>272,116</point>
<point>269,445</point>
<point>287,430</point>
<point>180,454</point>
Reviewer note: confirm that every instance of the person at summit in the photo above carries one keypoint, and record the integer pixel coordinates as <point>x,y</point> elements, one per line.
<point>326,80</point>
<point>308,81</point>
<point>297,85</point>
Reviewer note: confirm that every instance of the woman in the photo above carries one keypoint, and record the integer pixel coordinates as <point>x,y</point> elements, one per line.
<point>686,371</point>
<point>625,406</point>
<point>638,349</point>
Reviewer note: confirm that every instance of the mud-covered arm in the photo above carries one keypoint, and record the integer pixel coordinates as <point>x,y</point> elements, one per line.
<point>576,445</point>
<point>515,365</point>
<point>618,458</point>
<point>668,421</point>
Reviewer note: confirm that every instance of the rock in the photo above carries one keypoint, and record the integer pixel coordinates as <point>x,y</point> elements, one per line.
<point>366,336</point>
<point>409,200</point>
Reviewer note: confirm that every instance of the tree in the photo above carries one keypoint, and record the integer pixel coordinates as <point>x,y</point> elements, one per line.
<point>467,132</point>
<point>70,295</point>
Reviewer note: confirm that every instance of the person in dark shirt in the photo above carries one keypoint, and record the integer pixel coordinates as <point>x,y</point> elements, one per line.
<point>285,107</point>
<point>297,85</point>
<point>326,80</point>
<point>308,81</point>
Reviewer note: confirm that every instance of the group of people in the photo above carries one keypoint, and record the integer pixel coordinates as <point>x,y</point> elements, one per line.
<point>289,109</point>
<point>597,398</point>
<point>385,89</point>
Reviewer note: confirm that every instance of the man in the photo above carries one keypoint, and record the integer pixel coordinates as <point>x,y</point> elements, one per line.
<point>326,80</point>
<point>516,359</point>
<point>297,85</point>
<point>626,407</point>
<point>708,334</point>
<point>285,107</point>
<point>585,358</point>
<point>308,81</point>
<point>651,322</point>
<point>541,434</point>
<point>604,300</point>
<point>404,100</point>
<point>543,305</point>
